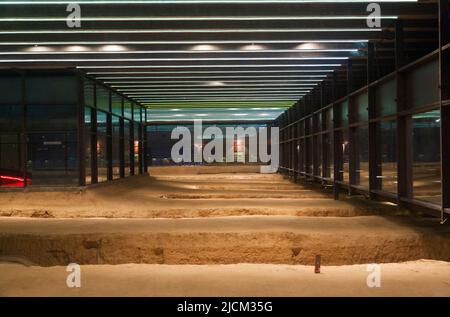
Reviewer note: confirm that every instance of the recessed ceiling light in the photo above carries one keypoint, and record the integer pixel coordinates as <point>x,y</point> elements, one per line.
<point>253,47</point>
<point>216,83</point>
<point>38,48</point>
<point>76,48</point>
<point>113,48</point>
<point>204,47</point>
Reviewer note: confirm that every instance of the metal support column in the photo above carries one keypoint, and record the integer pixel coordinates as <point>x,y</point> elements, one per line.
<point>374,137</point>
<point>404,123</point>
<point>337,144</point>
<point>80,133</point>
<point>444,85</point>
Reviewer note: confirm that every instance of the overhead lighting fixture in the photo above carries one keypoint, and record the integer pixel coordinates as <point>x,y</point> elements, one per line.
<point>172,31</point>
<point>216,83</point>
<point>118,81</point>
<point>253,47</point>
<point>310,72</point>
<point>174,59</point>
<point>307,46</point>
<point>68,50</point>
<point>204,47</point>
<point>223,83</point>
<point>216,92</point>
<point>178,42</point>
<point>203,66</point>
<point>113,48</point>
<point>196,18</point>
<point>38,49</point>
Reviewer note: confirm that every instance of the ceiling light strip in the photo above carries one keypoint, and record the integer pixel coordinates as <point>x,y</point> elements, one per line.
<point>172,31</point>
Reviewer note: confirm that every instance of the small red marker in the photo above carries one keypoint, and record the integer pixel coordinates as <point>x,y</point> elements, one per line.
<point>317,264</point>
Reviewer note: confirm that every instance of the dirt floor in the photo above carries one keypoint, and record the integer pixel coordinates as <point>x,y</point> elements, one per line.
<point>167,194</point>
<point>196,231</point>
<point>419,278</point>
<point>223,240</point>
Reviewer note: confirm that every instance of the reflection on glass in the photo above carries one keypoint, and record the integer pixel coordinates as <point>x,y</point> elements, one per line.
<point>136,149</point>
<point>362,144</point>
<point>102,158</point>
<point>87,145</point>
<point>11,173</point>
<point>345,155</point>
<point>127,147</point>
<point>115,147</point>
<point>426,156</point>
<point>388,132</point>
<point>328,140</point>
<point>318,147</point>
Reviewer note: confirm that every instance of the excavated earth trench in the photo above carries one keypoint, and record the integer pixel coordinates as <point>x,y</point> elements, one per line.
<point>210,216</point>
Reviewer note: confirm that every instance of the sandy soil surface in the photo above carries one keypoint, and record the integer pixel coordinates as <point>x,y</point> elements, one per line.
<point>188,195</point>
<point>224,240</point>
<point>419,278</point>
<point>188,231</point>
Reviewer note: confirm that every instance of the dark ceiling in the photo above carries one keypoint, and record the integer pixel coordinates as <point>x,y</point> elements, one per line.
<point>221,60</point>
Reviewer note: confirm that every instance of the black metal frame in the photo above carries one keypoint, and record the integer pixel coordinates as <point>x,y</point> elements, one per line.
<point>109,128</point>
<point>295,119</point>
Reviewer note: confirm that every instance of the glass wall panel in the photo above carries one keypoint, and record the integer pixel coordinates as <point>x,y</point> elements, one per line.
<point>102,159</point>
<point>11,90</point>
<point>116,104</point>
<point>422,85</point>
<point>388,132</point>
<point>136,113</point>
<point>127,109</point>
<point>344,114</point>
<point>386,95</point>
<point>328,140</point>
<point>101,122</point>
<point>102,95</point>
<point>116,147</point>
<point>318,146</point>
<point>87,145</point>
<point>11,170</point>
<point>89,96</point>
<point>11,118</point>
<point>361,103</point>
<point>63,90</point>
<point>52,118</point>
<point>52,158</point>
<point>345,155</point>
<point>362,144</point>
<point>102,140</point>
<point>426,156</point>
<point>127,152</point>
<point>137,151</point>
<point>329,118</point>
